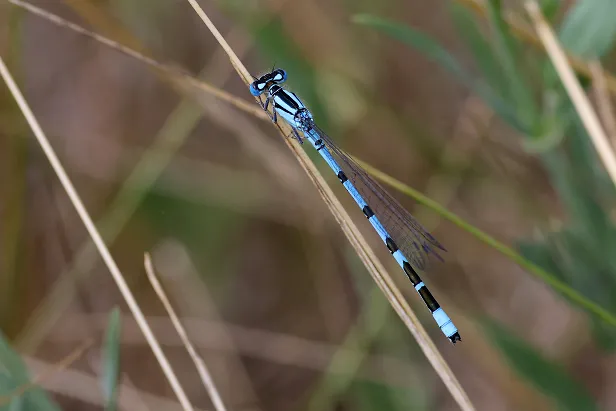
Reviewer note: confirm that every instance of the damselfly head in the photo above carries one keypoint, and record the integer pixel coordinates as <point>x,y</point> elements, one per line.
<point>263,83</point>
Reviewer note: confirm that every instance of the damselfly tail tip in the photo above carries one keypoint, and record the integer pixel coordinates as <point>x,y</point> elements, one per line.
<point>455,337</point>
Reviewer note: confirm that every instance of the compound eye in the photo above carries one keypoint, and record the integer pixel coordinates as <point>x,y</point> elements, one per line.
<point>257,88</point>
<point>279,76</point>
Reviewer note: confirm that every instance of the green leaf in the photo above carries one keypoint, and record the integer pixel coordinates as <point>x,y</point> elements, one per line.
<point>547,376</point>
<point>14,374</point>
<point>588,30</point>
<point>436,52</point>
<point>468,27</point>
<point>111,360</point>
<point>509,54</point>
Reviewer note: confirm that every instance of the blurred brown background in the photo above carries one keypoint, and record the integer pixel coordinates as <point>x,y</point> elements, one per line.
<point>281,309</point>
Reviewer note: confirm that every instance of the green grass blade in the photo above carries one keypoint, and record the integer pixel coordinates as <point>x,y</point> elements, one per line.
<point>547,376</point>
<point>468,27</point>
<point>508,252</point>
<point>111,361</point>
<point>433,50</point>
<point>420,41</point>
<point>509,52</point>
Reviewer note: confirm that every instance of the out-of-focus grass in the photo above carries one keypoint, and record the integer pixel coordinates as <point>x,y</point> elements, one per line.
<point>14,375</point>
<point>519,259</point>
<point>591,215</point>
<point>548,376</point>
<point>170,138</point>
<point>430,47</point>
<point>209,232</point>
<point>579,254</point>
<point>525,94</point>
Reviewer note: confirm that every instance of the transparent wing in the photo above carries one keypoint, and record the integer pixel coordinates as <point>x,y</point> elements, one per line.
<point>415,242</point>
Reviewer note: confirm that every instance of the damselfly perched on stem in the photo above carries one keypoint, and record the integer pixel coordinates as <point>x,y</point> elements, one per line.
<point>409,243</point>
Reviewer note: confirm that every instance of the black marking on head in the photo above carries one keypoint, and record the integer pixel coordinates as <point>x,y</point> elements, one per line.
<point>411,273</point>
<point>279,75</point>
<point>430,301</point>
<point>368,212</point>
<point>391,245</point>
<point>342,177</point>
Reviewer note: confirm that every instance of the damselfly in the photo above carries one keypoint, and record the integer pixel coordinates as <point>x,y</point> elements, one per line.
<point>409,243</point>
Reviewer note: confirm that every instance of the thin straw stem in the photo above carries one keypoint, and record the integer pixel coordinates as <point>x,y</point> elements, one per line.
<point>94,234</point>
<point>204,373</point>
<point>521,31</point>
<point>574,89</point>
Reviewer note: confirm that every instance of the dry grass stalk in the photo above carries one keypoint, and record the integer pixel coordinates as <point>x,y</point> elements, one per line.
<point>359,243</point>
<point>94,234</point>
<point>574,89</point>
<point>204,373</point>
<point>151,165</point>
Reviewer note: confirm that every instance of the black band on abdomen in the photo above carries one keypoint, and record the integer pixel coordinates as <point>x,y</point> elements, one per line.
<point>410,273</point>
<point>430,301</point>
<point>391,245</point>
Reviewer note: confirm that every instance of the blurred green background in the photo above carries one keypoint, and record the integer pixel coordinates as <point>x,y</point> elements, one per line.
<point>453,98</point>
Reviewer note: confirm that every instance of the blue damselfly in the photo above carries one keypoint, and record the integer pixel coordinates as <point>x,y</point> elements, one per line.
<point>409,243</point>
